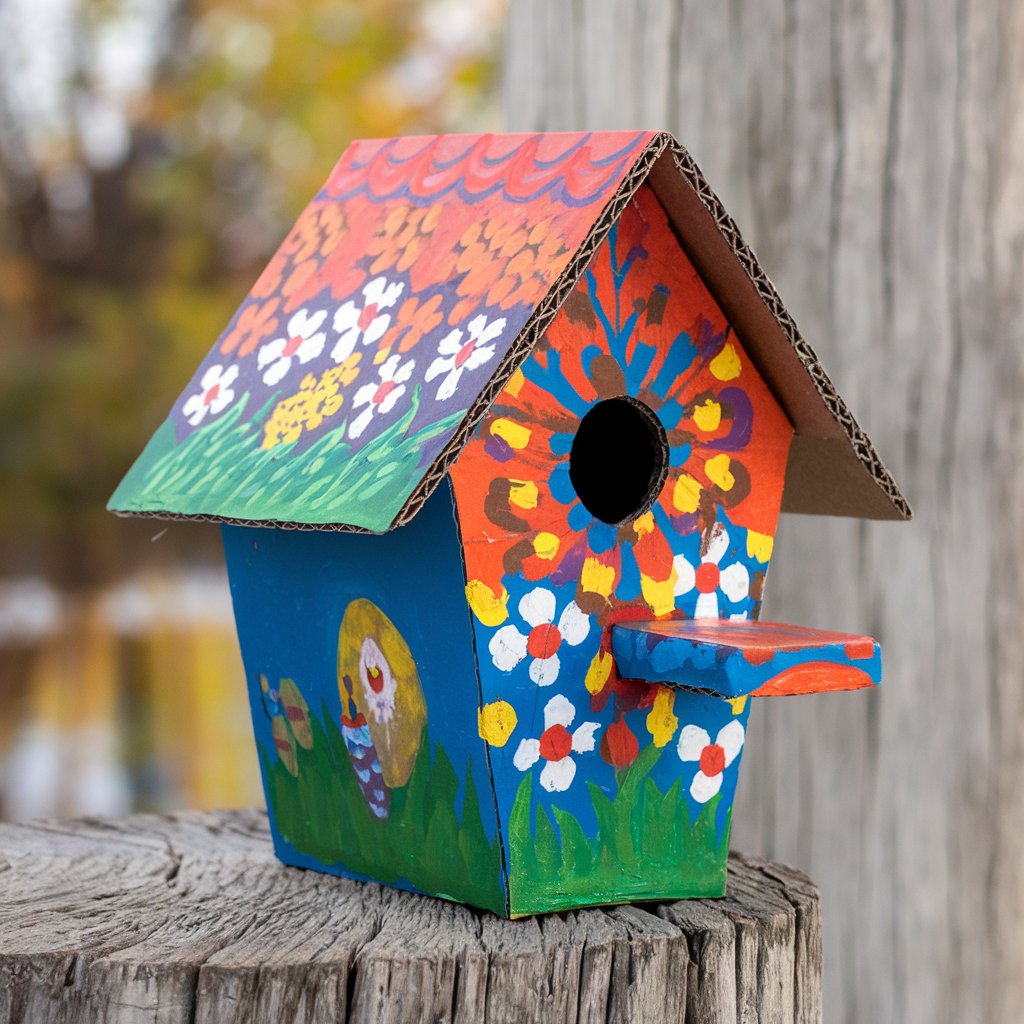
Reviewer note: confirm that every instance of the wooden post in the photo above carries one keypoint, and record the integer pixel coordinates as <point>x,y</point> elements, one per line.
<point>191,918</point>
<point>873,155</point>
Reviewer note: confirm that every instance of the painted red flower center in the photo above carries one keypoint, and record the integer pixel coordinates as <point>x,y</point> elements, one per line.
<point>712,759</point>
<point>707,577</point>
<point>211,395</point>
<point>374,678</point>
<point>383,391</point>
<point>368,315</point>
<point>543,640</point>
<point>555,743</point>
<point>293,345</point>
<point>465,352</point>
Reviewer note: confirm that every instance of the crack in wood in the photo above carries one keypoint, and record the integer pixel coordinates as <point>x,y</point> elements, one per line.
<point>190,919</point>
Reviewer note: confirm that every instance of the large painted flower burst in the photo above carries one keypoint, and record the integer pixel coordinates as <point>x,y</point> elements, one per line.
<point>624,332</point>
<point>634,328</point>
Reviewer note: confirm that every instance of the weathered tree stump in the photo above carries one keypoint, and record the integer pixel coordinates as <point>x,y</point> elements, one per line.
<point>189,917</point>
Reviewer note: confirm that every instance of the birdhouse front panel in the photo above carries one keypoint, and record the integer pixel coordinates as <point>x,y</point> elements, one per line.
<point>632,469</point>
<point>359,656</point>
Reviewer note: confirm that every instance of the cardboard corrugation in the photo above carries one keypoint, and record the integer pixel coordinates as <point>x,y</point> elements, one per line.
<point>833,467</point>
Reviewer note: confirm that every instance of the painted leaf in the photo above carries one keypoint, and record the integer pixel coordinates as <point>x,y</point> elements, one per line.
<point>284,743</point>
<point>296,710</point>
<point>385,686</point>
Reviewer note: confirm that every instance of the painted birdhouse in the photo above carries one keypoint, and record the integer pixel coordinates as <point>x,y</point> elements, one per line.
<point>499,440</point>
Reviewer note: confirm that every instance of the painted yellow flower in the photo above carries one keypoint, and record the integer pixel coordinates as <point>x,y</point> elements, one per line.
<point>317,400</point>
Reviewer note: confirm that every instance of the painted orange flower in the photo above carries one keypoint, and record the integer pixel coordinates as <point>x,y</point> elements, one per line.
<point>416,317</point>
<point>503,260</point>
<point>315,235</point>
<point>254,324</point>
<point>404,235</point>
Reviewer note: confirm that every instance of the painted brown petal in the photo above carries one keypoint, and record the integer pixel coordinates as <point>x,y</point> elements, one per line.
<point>496,507</point>
<point>627,532</point>
<point>607,377</point>
<point>650,399</point>
<point>512,562</point>
<point>707,517</point>
<point>578,308</point>
<point>701,399</point>
<point>589,602</point>
<point>739,490</point>
<point>678,437</point>
<point>556,423</point>
<point>498,411</point>
<point>656,305</point>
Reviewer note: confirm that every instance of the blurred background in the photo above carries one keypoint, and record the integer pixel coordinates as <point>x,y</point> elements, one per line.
<point>153,153</point>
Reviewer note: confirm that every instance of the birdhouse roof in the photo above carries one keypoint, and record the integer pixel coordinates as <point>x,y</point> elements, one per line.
<point>403,300</point>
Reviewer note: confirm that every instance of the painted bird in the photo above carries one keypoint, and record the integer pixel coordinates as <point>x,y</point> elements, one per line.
<point>363,755</point>
<point>384,712</point>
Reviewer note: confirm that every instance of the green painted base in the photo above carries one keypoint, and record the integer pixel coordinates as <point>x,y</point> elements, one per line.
<point>427,843</point>
<point>649,848</point>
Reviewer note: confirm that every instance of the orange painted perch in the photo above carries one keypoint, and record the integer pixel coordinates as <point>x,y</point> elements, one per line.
<point>737,659</point>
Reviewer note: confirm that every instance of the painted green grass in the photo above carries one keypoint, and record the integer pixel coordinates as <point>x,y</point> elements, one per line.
<point>221,469</point>
<point>427,840</point>
<point>648,847</point>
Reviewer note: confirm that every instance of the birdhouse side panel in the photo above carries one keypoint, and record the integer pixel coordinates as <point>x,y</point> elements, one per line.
<point>632,469</point>
<point>358,652</point>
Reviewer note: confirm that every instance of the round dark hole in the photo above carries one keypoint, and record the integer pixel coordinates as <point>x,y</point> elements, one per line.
<point>619,459</point>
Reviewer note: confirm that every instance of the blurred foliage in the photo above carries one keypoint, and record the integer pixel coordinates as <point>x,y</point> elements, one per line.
<point>137,206</point>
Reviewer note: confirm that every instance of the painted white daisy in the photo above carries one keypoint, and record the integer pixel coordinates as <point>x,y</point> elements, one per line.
<point>542,640</point>
<point>456,354</point>
<point>214,396</point>
<point>555,744</point>
<point>709,577</point>
<point>714,757</point>
<point>364,322</point>
<point>380,396</point>
<point>304,341</point>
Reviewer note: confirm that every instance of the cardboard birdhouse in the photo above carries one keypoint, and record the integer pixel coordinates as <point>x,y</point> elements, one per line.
<point>499,440</point>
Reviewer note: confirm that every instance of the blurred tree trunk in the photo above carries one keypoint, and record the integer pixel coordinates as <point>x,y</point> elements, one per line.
<point>873,152</point>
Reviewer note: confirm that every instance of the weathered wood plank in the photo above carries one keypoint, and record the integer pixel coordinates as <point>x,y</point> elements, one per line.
<point>191,918</point>
<point>873,153</point>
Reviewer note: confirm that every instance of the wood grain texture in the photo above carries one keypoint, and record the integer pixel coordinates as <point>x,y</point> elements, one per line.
<point>873,153</point>
<point>190,918</point>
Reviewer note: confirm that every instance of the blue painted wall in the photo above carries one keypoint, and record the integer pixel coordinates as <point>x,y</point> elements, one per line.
<point>290,590</point>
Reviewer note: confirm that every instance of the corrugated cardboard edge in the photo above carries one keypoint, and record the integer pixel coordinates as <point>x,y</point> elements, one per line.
<point>833,467</point>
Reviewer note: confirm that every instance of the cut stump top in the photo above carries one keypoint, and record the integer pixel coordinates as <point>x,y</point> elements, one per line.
<point>190,918</point>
